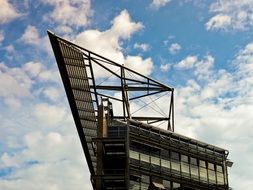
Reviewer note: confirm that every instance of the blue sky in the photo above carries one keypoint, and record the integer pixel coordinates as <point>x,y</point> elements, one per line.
<point>202,48</point>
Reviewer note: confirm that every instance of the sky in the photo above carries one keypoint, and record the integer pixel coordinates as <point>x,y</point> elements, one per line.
<point>202,48</point>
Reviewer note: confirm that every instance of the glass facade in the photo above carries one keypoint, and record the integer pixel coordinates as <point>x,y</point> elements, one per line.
<point>178,164</point>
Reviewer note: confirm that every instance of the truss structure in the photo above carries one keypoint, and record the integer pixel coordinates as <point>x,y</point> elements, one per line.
<point>88,78</point>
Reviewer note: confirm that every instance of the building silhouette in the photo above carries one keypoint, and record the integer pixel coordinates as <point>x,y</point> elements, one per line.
<point>127,149</point>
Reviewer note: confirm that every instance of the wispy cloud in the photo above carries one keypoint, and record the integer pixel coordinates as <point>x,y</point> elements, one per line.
<point>108,43</point>
<point>174,48</point>
<point>230,15</point>
<point>7,12</point>
<point>156,4</point>
<point>143,47</point>
<point>69,13</point>
<point>218,108</point>
<point>32,37</point>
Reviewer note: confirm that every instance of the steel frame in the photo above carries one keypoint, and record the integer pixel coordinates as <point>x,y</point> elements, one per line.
<point>141,85</point>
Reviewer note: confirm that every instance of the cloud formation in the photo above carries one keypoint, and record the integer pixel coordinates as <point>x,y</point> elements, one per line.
<point>174,48</point>
<point>230,15</point>
<point>7,12</point>
<point>202,68</point>
<point>32,37</point>
<point>108,43</point>
<point>218,108</point>
<point>143,47</point>
<point>69,13</point>
<point>156,4</point>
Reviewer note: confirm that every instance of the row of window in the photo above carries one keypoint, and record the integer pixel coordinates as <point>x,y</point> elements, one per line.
<point>144,182</point>
<point>187,167</point>
<point>160,137</point>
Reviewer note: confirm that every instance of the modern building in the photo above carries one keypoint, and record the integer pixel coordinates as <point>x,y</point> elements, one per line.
<point>127,149</point>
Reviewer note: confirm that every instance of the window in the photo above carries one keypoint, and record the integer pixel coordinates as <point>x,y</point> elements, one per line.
<point>145,181</point>
<point>220,178</point>
<point>185,169</point>
<point>219,168</point>
<point>155,160</point>
<point>165,154</point>
<point>202,163</point>
<point>184,158</point>
<point>194,171</point>
<point>174,155</point>
<point>193,161</point>
<point>134,154</point>
<point>203,174</point>
<point>167,184</point>
<point>144,157</point>
<point>211,166</point>
<point>176,186</point>
<point>175,165</point>
<point>211,176</point>
<point>194,168</point>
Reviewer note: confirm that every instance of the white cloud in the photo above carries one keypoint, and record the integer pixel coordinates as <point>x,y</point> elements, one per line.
<point>69,13</point>
<point>142,47</point>
<point>32,37</point>
<point>123,27</point>
<point>165,67</point>
<point>174,48</point>
<point>33,68</point>
<point>7,12</point>
<point>219,110</point>
<point>108,43</point>
<point>14,82</point>
<point>136,63</point>
<point>46,155</point>
<point>17,83</point>
<point>50,115</point>
<point>52,93</point>
<point>156,4</point>
<point>38,71</point>
<point>230,15</point>
<point>12,102</point>
<point>202,68</point>
<point>218,22</point>
<point>187,63</point>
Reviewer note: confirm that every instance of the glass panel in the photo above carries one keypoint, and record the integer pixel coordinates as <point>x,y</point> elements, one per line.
<point>155,160</point>
<point>220,178</point>
<point>203,174</point>
<point>174,155</point>
<point>211,166</point>
<point>176,186</point>
<point>193,161</point>
<point>219,168</point>
<point>202,163</point>
<point>194,171</point>
<point>166,184</point>
<point>211,176</point>
<point>145,179</point>
<point>185,168</point>
<point>144,186</point>
<point>134,154</point>
<point>175,165</point>
<point>134,185</point>
<point>165,163</point>
<point>165,154</point>
<point>184,158</point>
<point>144,157</point>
